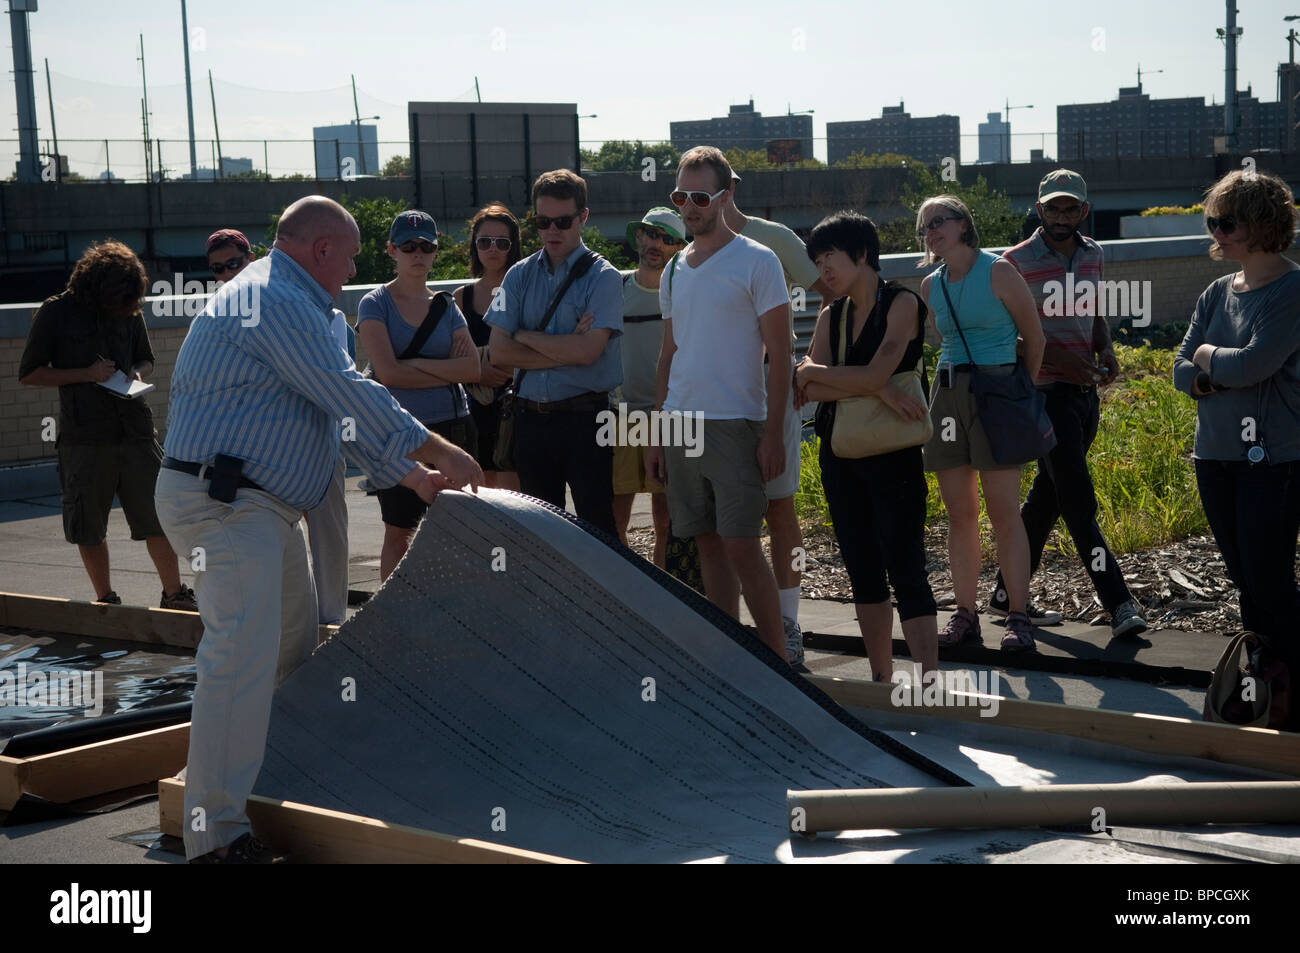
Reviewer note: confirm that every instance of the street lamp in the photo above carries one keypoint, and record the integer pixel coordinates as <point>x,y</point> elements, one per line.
<point>1007,120</point>
<point>361,147</point>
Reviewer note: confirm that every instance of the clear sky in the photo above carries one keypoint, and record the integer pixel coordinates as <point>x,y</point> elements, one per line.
<point>282,66</point>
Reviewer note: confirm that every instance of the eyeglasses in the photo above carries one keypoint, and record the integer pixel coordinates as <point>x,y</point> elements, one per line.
<point>1070,212</point>
<point>562,222</point>
<point>660,235</point>
<point>701,198</point>
<point>937,222</point>
<point>1227,224</point>
<point>220,268</point>
<point>411,247</point>
<point>483,243</point>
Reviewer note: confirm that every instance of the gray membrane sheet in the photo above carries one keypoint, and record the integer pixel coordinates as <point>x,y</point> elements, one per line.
<point>519,681</point>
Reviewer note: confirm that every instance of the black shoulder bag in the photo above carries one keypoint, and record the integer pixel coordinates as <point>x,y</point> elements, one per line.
<point>1012,411</point>
<point>503,454</point>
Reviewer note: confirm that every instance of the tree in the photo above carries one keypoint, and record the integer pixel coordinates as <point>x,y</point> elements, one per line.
<point>997,222</point>
<point>876,160</point>
<point>620,155</point>
<point>398,167</point>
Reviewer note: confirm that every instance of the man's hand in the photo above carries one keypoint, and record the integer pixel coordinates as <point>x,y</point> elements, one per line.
<point>430,483</point>
<point>490,374</point>
<point>902,403</point>
<point>459,468</point>
<point>1073,367</point>
<point>654,464</point>
<point>100,371</point>
<point>1111,365</point>
<point>771,454</point>
<point>584,323</point>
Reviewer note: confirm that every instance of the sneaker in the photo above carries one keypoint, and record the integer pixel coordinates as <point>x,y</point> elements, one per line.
<point>1019,636</point>
<point>110,598</point>
<point>246,849</point>
<point>963,626</point>
<point>998,607</point>
<point>182,598</point>
<point>793,641</point>
<point>1126,620</point>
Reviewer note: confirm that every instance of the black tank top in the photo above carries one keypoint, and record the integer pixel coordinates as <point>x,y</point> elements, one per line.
<point>479,329</point>
<point>861,351</point>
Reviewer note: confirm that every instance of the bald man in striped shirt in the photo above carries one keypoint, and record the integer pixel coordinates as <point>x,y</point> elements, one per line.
<point>261,392</point>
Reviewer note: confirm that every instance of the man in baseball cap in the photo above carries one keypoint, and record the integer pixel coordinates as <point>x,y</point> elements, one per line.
<point>656,238</point>
<point>1077,358</point>
<point>228,251</point>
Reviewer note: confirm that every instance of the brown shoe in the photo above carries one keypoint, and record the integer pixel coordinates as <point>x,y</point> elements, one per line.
<point>182,598</point>
<point>246,849</point>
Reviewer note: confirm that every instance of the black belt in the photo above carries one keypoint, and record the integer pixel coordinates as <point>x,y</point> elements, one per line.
<point>580,404</point>
<point>638,318</point>
<point>203,471</point>
<point>1068,387</point>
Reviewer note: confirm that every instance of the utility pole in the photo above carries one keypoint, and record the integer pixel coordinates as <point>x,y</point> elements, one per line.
<point>1007,120</point>
<point>216,130</point>
<point>479,96</point>
<point>1230,33</point>
<point>189,95</point>
<point>29,162</point>
<point>54,132</point>
<point>144,114</point>
<point>361,149</point>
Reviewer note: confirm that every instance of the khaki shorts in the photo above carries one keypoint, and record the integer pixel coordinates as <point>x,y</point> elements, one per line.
<point>787,484</point>
<point>959,439</point>
<point>93,473</point>
<point>721,490</point>
<point>629,472</point>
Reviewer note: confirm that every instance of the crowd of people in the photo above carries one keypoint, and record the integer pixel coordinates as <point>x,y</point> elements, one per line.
<point>505,382</point>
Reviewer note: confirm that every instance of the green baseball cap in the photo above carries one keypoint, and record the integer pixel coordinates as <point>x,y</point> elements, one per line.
<point>659,217</point>
<point>1062,182</point>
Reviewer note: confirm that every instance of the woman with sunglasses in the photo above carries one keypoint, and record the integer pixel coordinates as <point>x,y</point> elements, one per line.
<point>427,386</point>
<point>1240,361</point>
<point>493,247</point>
<point>992,304</point>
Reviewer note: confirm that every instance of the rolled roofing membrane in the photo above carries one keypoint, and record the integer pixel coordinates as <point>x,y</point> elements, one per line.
<point>520,681</point>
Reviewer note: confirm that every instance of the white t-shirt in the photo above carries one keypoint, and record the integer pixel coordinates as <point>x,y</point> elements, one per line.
<point>718,366</point>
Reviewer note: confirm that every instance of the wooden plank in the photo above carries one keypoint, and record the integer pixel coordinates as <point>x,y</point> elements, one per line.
<point>320,836</point>
<point>1260,748</point>
<point>131,623</point>
<point>1205,802</point>
<point>104,766</point>
<point>12,773</point>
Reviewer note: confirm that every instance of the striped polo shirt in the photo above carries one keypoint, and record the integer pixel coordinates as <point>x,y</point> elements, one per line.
<point>261,377</point>
<point>1066,305</point>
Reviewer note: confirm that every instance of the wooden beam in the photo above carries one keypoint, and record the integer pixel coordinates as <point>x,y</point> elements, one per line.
<point>320,836</point>
<point>1217,802</point>
<point>12,773</point>
<point>131,623</point>
<point>104,766</point>
<point>1260,748</point>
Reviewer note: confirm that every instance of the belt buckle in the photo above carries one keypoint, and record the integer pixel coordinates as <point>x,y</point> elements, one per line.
<point>204,469</point>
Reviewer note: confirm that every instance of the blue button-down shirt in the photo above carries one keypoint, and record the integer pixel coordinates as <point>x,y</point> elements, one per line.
<point>261,377</point>
<point>526,293</point>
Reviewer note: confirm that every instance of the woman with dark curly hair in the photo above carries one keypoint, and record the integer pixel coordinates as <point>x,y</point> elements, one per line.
<point>1240,361</point>
<point>106,443</point>
<point>493,247</point>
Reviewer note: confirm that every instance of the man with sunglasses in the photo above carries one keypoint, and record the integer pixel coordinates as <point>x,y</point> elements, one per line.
<point>723,300</point>
<point>1077,358</point>
<point>656,238</point>
<point>572,364</point>
<point>782,521</point>
<point>228,251</point>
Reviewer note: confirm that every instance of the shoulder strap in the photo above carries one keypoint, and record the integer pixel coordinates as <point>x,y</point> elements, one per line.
<point>437,308</point>
<point>840,348</point>
<point>672,267</point>
<point>580,268</point>
<point>943,285</point>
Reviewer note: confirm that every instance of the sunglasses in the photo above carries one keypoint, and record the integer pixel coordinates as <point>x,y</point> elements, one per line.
<point>483,243</point>
<point>562,222</point>
<point>220,268</point>
<point>411,247</point>
<point>701,198</point>
<point>937,222</point>
<point>1227,224</point>
<point>659,235</point>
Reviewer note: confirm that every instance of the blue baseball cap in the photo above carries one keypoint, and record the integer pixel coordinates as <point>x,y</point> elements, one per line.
<point>413,225</point>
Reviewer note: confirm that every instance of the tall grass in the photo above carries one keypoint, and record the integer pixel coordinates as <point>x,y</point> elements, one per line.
<point>1140,462</point>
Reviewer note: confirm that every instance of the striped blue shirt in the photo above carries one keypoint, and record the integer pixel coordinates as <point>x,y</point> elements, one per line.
<point>527,291</point>
<point>261,377</point>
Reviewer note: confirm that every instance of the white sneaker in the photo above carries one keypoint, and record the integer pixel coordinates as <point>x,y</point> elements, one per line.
<point>793,641</point>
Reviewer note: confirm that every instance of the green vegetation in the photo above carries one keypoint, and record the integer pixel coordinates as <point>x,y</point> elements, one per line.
<point>620,155</point>
<point>1141,463</point>
<point>1173,210</point>
<point>877,160</point>
<point>398,167</point>
<point>997,222</point>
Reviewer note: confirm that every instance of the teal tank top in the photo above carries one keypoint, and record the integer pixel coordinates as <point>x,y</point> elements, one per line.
<point>989,329</point>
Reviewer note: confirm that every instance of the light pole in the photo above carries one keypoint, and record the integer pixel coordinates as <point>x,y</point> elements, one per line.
<point>361,147</point>
<point>1007,107</point>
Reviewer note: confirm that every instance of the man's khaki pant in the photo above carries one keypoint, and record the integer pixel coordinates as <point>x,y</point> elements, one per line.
<point>258,607</point>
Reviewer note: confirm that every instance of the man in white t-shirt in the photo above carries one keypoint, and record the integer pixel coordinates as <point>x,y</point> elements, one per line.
<point>723,300</point>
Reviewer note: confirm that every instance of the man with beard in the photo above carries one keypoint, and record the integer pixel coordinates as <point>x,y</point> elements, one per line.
<point>1069,377</point>
<point>723,300</point>
<point>656,238</point>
